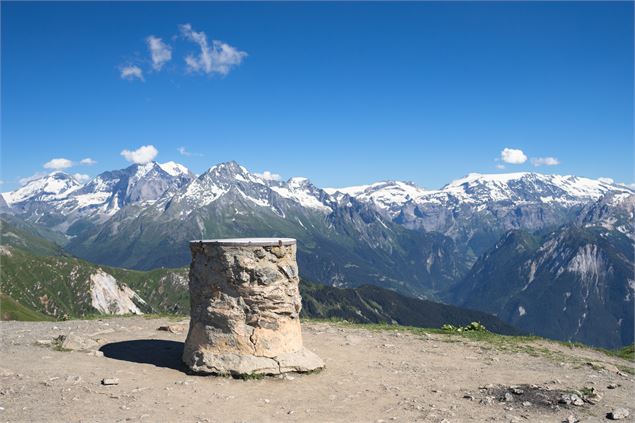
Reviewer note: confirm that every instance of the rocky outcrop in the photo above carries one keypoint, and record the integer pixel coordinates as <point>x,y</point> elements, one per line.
<point>245,307</point>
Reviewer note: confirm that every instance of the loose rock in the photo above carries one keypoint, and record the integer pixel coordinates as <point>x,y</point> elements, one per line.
<point>618,414</point>
<point>110,381</point>
<point>171,328</point>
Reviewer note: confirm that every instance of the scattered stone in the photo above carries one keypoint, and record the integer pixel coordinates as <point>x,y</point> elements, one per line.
<point>110,381</point>
<point>596,365</point>
<point>468,396</point>
<point>526,404</point>
<point>508,397</point>
<point>44,342</point>
<point>96,353</point>
<point>72,342</point>
<point>618,414</point>
<point>517,391</point>
<point>488,400</point>
<point>568,399</point>
<point>570,419</point>
<point>612,386</point>
<point>171,328</point>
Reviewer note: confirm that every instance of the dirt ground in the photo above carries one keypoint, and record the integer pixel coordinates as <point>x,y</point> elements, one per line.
<point>371,376</point>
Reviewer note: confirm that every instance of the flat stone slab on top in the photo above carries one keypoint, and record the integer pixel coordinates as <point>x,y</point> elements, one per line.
<point>246,242</point>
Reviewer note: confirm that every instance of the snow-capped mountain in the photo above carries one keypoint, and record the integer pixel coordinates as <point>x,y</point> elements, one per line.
<point>341,241</point>
<point>480,189</point>
<point>51,187</point>
<point>58,200</point>
<point>477,209</point>
<point>387,196</point>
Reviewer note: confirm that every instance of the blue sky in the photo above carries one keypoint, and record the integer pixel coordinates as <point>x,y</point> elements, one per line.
<point>343,93</point>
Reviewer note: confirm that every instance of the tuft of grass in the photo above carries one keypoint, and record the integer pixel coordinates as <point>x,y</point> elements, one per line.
<point>57,344</point>
<point>249,376</point>
<point>627,352</point>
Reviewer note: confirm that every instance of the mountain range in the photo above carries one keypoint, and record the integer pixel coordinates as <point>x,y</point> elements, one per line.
<point>473,242</point>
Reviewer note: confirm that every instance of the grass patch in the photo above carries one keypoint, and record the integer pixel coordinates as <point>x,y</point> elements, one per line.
<point>249,376</point>
<point>12,310</point>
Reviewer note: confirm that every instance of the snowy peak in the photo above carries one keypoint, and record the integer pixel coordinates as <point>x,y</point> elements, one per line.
<point>526,186</point>
<point>49,187</point>
<point>386,195</point>
<point>302,191</point>
<point>175,169</point>
<point>231,177</point>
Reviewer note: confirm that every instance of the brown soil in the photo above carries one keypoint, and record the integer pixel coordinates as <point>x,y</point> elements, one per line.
<point>371,376</point>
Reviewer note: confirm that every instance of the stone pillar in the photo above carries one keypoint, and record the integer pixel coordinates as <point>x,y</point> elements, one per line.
<point>245,307</point>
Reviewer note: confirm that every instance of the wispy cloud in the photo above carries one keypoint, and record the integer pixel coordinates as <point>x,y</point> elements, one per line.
<point>143,154</point>
<point>513,156</point>
<point>545,161</point>
<point>184,152</point>
<point>87,161</point>
<point>268,176</point>
<point>160,52</point>
<point>131,72</point>
<point>500,166</point>
<point>218,58</point>
<point>58,164</point>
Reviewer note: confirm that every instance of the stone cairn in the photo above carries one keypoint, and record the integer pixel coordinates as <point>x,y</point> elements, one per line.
<point>245,307</point>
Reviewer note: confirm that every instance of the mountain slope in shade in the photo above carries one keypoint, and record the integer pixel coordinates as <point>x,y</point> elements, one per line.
<point>573,284</point>
<point>372,304</point>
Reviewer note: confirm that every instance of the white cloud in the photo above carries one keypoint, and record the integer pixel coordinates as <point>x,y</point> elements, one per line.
<point>606,180</point>
<point>88,161</point>
<point>143,154</point>
<point>219,58</point>
<point>80,177</point>
<point>500,166</point>
<point>268,176</point>
<point>545,161</point>
<point>160,52</point>
<point>57,164</point>
<point>131,72</point>
<point>184,152</point>
<point>26,180</point>
<point>513,156</point>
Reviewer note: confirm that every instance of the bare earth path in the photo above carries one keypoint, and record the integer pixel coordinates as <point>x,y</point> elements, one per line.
<point>371,376</point>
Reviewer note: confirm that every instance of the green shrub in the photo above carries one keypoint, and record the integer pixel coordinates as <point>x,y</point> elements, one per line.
<point>472,327</point>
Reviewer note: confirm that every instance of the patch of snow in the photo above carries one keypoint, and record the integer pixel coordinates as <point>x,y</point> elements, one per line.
<point>521,311</point>
<point>301,191</point>
<point>174,169</point>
